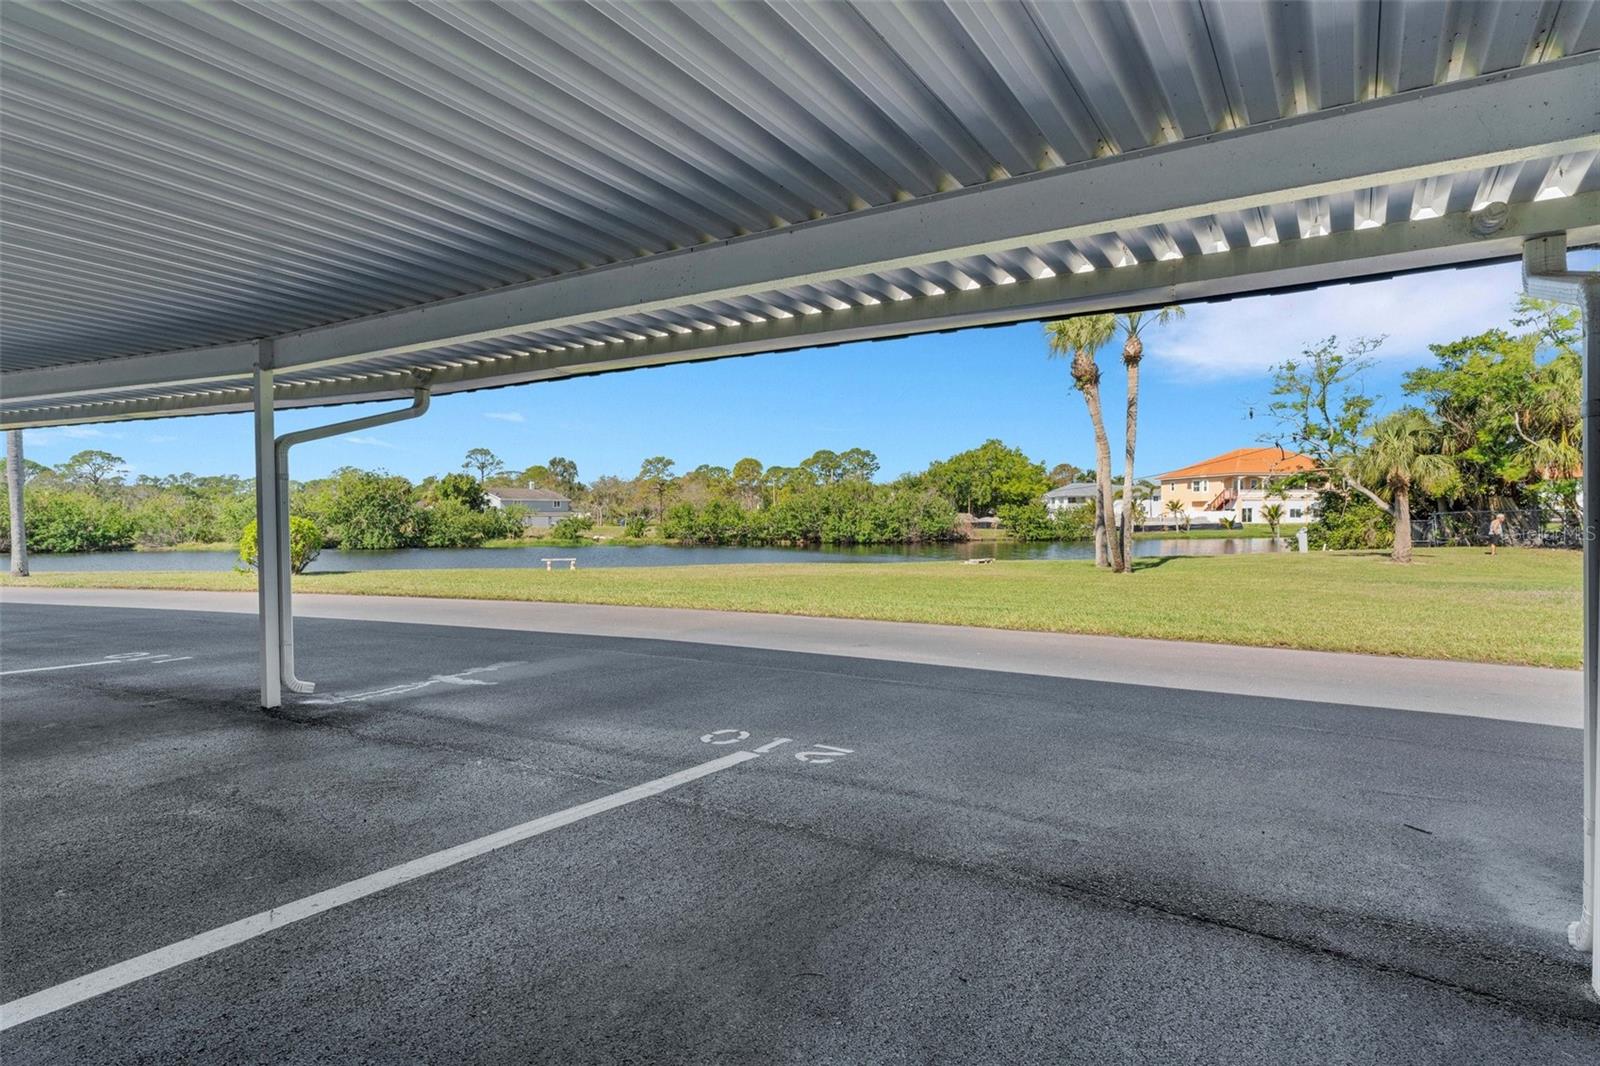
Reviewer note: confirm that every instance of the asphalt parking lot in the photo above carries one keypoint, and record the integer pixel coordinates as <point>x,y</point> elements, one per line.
<point>909,863</point>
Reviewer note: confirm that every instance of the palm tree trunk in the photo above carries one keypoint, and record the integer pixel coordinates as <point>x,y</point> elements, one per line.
<point>15,475</point>
<point>1402,525</point>
<point>1106,519</point>
<point>1127,468</point>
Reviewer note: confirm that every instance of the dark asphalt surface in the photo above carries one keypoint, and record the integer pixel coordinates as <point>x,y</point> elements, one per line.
<point>1005,868</point>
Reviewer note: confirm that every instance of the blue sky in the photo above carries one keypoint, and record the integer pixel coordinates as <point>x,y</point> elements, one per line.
<point>910,401</point>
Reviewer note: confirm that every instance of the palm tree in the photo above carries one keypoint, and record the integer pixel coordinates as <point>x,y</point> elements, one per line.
<point>1079,339</point>
<point>1133,324</point>
<point>1176,510</point>
<point>1405,451</point>
<point>1272,515</point>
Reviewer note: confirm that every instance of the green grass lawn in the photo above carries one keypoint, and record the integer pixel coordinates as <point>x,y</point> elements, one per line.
<point>1453,603</point>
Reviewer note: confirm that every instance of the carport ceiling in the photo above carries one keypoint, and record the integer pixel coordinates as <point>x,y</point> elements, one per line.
<point>518,192</point>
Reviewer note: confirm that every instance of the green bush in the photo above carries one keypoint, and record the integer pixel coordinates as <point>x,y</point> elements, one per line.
<point>637,526</point>
<point>843,512</point>
<point>74,521</point>
<point>451,523</point>
<point>1028,521</point>
<point>1075,523</point>
<point>305,544</point>
<point>1349,523</point>
<point>365,510</point>
<point>571,529</point>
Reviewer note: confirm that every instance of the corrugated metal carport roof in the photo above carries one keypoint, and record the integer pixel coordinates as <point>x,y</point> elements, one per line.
<point>593,186</point>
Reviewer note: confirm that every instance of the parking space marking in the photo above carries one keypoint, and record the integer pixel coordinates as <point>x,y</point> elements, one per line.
<point>463,677</point>
<point>57,997</point>
<point>146,658</point>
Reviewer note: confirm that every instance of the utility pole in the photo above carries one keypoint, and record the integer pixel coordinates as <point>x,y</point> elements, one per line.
<point>15,475</point>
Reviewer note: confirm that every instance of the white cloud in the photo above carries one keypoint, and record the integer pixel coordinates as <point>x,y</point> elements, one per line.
<point>505,416</point>
<point>372,442</point>
<point>1243,337</point>
<point>45,436</point>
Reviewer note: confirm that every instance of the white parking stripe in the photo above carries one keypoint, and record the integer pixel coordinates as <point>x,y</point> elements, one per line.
<point>90,985</point>
<point>64,666</point>
<point>124,659</point>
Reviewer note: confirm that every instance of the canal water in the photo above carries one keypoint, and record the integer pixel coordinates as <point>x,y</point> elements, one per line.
<point>604,555</point>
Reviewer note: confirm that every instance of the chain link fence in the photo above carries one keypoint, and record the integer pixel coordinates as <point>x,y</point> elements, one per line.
<point>1531,527</point>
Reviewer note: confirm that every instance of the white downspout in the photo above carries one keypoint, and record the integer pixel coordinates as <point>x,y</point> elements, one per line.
<point>267,590</point>
<point>1545,275</point>
<point>280,561</point>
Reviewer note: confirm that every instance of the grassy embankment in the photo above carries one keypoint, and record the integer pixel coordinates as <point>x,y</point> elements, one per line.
<point>1521,607</point>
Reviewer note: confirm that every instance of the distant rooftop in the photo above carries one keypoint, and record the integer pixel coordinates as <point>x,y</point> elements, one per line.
<point>1270,460</point>
<point>515,495</point>
<point>1076,488</point>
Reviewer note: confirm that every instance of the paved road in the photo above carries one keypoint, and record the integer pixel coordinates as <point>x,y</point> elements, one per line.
<point>1514,693</point>
<point>1001,868</point>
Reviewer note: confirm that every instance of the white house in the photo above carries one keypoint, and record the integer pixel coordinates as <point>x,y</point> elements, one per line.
<point>1063,497</point>
<point>542,508</point>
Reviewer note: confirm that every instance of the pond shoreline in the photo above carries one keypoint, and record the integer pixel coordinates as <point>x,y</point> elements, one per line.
<point>609,554</point>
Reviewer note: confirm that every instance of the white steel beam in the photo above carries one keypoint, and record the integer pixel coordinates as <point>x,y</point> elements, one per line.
<point>1495,120</point>
<point>1453,240</point>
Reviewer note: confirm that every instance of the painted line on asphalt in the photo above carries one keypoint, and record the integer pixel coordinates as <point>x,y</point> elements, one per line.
<point>49,1000</point>
<point>147,658</point>
<point>463,678</point>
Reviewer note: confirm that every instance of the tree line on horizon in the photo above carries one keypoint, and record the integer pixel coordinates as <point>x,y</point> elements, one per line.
<point>88,503</point>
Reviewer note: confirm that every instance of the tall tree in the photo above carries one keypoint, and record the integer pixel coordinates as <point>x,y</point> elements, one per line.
<point>983,479</point>
<point>463,489</point>
<point>1133,324</point>
<point>16,473</point>
<point>858,464</point>
<point>93,469</point>
<point>1065,474</point>
<point>656,473</point>
<point>607,496</point>
<point>1079,339</point>
<point>824,466</point>
<point>485,462</point>
<point>1511,419</point>
<point>565,473</point>
<point>1404,453</point>
<point>747,482</point>
<point>1319,404</point>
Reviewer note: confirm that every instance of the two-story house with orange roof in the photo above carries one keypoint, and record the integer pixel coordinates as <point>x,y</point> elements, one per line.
<point>1235,485</point>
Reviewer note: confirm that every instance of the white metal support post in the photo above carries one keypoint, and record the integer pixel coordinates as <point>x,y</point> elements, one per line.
<point>1545,275</point>
<point>267,587</point>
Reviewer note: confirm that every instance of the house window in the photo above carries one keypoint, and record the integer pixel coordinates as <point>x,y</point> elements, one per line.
<point>1247,515</point>
<point>1296,512</point>
<point>1198,486</point>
